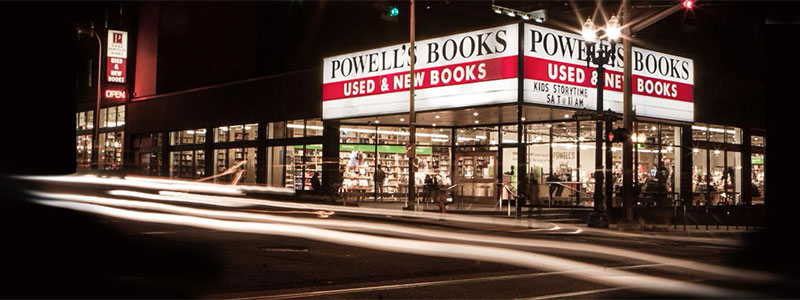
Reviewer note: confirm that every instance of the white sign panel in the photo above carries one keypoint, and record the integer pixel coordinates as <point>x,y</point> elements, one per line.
<point>556,74</point>
<point>117,44</point>
<point>474,68</point>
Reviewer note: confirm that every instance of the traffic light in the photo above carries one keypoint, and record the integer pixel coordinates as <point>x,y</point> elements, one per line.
<point>619,135</point>
<point>390,11</point>
<point>688,4</point>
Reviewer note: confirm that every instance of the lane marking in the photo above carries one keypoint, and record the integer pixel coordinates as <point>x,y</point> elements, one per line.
<point>429,284</point>
<point>579,293</point>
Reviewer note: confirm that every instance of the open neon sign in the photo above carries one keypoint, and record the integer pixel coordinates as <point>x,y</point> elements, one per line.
<point>116,94</point>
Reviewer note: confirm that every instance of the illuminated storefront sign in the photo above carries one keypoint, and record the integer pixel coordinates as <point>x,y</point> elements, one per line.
<point>481,68</point>
<point>555,74</point>
<point>474,68</point>
<point>115,94</point>
<point>117,54</point>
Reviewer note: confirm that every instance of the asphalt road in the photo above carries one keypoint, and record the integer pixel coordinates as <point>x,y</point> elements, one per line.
<point>104,239</point>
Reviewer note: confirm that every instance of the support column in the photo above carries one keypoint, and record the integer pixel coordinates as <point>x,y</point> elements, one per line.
<point>330,157</point>
<point>747,168</point>
<point>208,147</point>
<point>685,167</point>
<point>165,156</point>
<point>261,154</point>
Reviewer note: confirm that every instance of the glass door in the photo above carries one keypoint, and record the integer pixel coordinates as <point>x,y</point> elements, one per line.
<point>509,183</point>
<point>476,172</point>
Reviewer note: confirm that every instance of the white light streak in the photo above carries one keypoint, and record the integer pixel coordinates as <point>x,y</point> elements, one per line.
<point>583,271</point>
<point>399,230</point>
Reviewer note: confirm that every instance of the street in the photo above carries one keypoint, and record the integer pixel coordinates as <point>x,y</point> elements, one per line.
<point>138,237</point>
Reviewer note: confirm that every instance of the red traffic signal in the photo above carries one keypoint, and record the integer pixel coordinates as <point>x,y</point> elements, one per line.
<point>688,4</point>
<point>619,135</point>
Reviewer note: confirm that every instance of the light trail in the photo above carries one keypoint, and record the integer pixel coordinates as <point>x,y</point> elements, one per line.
<point>583,271</point>
<point>383,212</point>
<point>581,248</point>
<point>168,184</point>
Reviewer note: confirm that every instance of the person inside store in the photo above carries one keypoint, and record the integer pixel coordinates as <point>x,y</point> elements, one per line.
<point>552,180</point>
<point>380,176</point>
<point>427,190</point>
<point>316,185</point>
<point>661,177</point>
<point>533,189</point>
<point>513,179</point>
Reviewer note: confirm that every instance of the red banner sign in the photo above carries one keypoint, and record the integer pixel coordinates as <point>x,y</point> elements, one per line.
<point>455,74</point>
<point>577,75</point>
<point>115,69</point>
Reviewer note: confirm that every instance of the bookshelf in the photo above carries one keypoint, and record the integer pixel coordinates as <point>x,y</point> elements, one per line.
<point>394,161</point>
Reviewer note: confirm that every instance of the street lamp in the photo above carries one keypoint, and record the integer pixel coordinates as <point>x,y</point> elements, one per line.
<point>96,131</point>
<point>600,56</point>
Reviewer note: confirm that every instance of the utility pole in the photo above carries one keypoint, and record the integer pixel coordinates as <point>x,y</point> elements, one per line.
<point>412,119</point>
<point>627,97</point>
<point>627,113</point>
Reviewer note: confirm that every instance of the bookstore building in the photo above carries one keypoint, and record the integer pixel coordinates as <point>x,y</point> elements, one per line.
<point>494,107</point>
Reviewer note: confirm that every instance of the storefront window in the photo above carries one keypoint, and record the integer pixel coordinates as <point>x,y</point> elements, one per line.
<point>294,167</point>
<point>314,127</point>
<point>227,158</point>
<point>733,135</point>
<point>111,150</point>
<point>352,134</point>
<point>84,120</point>
<point>235,133</point>
<point>538,133</point>
<point>388,135</point>
<point>699,132</point>
<point>509,134</point>
<point>276,130</point>
<point>539,161</point>
<point>440,136</point>
<point>112,116</point>
<point>276,167</point>
<point>670,135</point>
<point>716,134</point>
<point>565,132</point>
<point>424,135</point>
<point>150,163</point>
<point>477,136</point>
<point>716,169</point>
<point>295,128</point>
<point>756,141</point>
<point>357,162</point>
<point>588,133</point>
<point>187,164</point>
<point>187,137</point>
<point>84,151</point>
<point>757,178</point>
<point>732,178</point>
<point>312,158</point>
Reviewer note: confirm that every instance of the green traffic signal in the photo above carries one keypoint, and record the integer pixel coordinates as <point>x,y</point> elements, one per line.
<point>393,11</point>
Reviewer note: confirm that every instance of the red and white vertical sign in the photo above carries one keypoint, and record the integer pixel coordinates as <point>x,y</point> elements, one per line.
<point>117,54</point>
